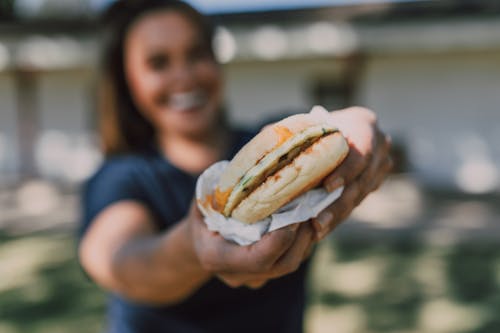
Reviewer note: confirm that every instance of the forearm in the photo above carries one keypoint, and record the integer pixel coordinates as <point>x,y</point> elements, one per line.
<point>158,268</point>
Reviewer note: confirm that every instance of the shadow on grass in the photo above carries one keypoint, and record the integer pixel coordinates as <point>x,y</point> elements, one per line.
<point>419,289</point>
<point>56,297</point>
<point>406,286</point>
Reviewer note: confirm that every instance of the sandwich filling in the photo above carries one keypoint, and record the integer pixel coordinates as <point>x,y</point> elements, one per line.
<point>271,163</point>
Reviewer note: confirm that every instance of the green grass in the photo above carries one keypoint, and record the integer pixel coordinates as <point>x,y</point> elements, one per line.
<point>43,289</point>
<point>356,286</point>
<point>404,286</point>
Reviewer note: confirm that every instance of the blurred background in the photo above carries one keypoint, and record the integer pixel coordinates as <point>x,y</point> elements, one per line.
<point>420,255</point>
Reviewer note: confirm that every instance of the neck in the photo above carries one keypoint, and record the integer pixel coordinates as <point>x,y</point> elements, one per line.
<point>195,154</point>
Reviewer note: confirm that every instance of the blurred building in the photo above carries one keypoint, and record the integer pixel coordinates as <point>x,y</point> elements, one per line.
<point>431,70</point>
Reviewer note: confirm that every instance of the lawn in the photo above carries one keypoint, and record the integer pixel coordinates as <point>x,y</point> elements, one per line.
<point>356,286</point>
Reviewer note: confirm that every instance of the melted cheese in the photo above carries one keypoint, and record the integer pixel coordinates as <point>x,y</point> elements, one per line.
<point>207,201</point>
<point>283,134</point>
<point>221,198</point>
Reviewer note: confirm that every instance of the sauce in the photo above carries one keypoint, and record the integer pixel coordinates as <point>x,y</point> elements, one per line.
<point>283,134</point>
<point>221,198</point>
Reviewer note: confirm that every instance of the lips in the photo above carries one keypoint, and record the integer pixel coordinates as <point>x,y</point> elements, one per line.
<point>186,100</point>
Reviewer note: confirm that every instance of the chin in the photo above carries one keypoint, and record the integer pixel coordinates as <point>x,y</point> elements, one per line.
<point>194,128</point>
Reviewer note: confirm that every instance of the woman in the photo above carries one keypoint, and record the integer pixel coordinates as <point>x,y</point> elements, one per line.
<point>162,125</point>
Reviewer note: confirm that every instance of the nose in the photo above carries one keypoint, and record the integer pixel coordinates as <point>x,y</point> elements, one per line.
<point>183,74</point>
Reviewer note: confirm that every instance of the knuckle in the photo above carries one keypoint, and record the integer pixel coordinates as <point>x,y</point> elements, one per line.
<point>377,184</point>
<point>262,264</point>
<point>280,270</point>
<point>354,191</point>
<point>209,261</point>
<point>341,206</point>
<point>363,181</point>
<point>359,200</point>
<point>389,164</point>
<point>368,157</point>
<point>330,178</point>
<point>287,267</point>
<point>257,284</point>
<point>231,282</point>
<point>388,141</point>
<point>282,240</point>
<point>368,113</point>
<point>209,265</point>
<point>362,109</point>
<point>292,266</point>
<point>347,207</point>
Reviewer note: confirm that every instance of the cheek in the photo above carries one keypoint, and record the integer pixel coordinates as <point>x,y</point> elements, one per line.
<point>144,87</point>
<point>211,77</point>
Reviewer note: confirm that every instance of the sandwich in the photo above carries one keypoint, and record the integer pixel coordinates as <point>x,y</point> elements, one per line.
<point>283,161</point>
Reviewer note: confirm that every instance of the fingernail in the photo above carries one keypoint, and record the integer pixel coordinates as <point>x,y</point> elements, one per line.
<point>324,219</point>
<point>332,186</point>
<point>294,227</point>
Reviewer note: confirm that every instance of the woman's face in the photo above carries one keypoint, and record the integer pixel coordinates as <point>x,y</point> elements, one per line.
<point>172,77</point>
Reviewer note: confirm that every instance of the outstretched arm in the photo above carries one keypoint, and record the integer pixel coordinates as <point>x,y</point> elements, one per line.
<point>124,254</point>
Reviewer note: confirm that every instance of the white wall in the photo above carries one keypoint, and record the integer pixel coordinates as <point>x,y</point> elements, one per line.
<point>64,146</point>
<point>64,100</point>
<point>256,90</point>
<point>8,133</point>
<point>446,108</point>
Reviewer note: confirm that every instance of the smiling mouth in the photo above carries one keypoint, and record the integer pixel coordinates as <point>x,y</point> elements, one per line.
<point>187,100</point>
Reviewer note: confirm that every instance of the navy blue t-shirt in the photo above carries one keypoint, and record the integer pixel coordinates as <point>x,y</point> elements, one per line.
<point>168,191</point>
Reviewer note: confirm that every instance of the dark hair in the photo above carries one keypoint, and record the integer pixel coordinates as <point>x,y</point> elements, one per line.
<point>122,127</point>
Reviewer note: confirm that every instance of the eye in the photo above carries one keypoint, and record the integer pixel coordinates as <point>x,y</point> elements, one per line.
<point>198,53</point>
<point>158,62</point>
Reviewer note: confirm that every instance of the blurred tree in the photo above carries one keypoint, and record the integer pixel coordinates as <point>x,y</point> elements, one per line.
<point>6,9</point>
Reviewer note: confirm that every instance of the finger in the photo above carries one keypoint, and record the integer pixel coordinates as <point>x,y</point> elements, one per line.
<point>352,196</point>
<point>195,210</point>
<point>235,280</point>
<point>309,251</point>
<point>382,176</point>
<point>304,243</point>
<point>357,161</point>
<point>232,281</point>
<point>264,253</point>
<point>377,171</point>
<point>374,172</point>
<point>334,214</point>
<point>240,280</point>
<point>292,259</point>
<point>256,284</point>
<point>260,256</point>
<point>354,164</point>
<point>377,164</point>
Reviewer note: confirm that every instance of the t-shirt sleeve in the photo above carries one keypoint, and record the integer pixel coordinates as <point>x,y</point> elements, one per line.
<point>114,181</point>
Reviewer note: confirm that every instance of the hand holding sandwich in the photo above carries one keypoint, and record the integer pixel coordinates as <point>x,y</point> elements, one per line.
<point>277,254</point>
<point>363,170</point>
<point>281,252</point>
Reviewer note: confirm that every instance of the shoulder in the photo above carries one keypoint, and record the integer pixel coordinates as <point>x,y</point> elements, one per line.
<point>118,167</point>
<point>115,180</point>
<point>116,175</point>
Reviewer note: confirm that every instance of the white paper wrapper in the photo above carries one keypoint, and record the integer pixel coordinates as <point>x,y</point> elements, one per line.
<point>304,207</point>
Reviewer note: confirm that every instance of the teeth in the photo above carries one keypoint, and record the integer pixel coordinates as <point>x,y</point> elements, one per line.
<point>187,100</point>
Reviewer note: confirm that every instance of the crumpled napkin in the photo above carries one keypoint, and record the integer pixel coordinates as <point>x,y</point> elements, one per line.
<point>301,209</point>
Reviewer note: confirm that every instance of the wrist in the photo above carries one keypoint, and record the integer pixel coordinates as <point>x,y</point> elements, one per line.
<point>191,253</point>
